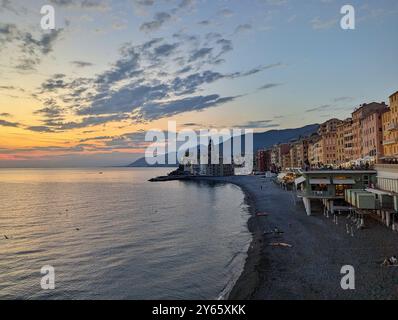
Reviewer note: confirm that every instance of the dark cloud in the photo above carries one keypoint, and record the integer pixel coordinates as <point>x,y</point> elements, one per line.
<point>142,85</point>
<point>81,64</point>
<point>201,53</point>
<point>32,48</point>
<point>5,123</point>
<point>258,124</point>
<point>320,108</point>
<point>156,111</point>
<point>343,99</point>
<point>40,129</point>
<point>159,20</point>
<point>269,86</point>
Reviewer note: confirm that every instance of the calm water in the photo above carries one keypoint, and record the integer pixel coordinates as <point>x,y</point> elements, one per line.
<point>116,236</point>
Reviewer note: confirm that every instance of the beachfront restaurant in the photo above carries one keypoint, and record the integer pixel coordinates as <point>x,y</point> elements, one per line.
<point>329,187</point>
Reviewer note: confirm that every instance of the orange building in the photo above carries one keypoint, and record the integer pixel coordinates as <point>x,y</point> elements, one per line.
<point>344,142</point>
<point>390,130</point>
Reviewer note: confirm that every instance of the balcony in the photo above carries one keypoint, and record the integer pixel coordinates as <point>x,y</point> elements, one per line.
<point>390,142</point>
<point>317,194</point>
<point>392,126</point>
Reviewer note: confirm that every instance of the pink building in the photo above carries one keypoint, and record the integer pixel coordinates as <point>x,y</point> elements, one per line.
<point>372,135</point>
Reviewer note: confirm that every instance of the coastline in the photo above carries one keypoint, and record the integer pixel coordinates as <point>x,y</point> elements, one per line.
<point>311,269</point>
<point>250,278</point>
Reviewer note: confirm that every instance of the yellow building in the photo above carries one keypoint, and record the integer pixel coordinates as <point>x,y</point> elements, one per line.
<point>286,161</point>
<point>344,146</point>
<point>390,130</point>
<point>315,152</point>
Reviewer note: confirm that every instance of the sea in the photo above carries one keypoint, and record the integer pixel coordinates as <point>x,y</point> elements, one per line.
<point>108,233</point>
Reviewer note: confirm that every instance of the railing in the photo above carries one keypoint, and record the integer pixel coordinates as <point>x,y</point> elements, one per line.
<point>392,126</point>
<point>390,141</point>
<point>316,194</point>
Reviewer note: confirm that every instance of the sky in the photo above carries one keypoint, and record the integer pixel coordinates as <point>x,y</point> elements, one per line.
<point>85,93</point>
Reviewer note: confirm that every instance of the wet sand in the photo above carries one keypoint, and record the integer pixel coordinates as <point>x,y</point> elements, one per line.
<point>311,268</point>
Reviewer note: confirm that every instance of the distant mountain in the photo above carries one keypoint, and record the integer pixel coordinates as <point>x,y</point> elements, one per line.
<point>260,141</point>
<point>270,138</point>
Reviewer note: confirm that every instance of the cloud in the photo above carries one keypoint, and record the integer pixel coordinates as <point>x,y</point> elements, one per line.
<point>320,108</point>
<point>156,111</point>
<point>243,28</point>
<point>40,129</point>
<point>318,24</point>
<point>269,86</point>
<point>5,123</point>
<point>343,99</point>
<point>225,13</point>
<point>82,64</point>
<point>98,5</point>
<point>257,124</point>
<point>158,21</point>
<point>149,81</point>
<point>32,48</point>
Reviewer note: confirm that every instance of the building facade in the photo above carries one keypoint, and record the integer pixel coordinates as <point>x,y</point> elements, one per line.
<point>390,130</point>
<point>372,131</point>
<point>359,117</point>
<point>263,160</point>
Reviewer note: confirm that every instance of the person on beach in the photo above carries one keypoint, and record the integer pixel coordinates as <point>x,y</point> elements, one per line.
<point>393,261</point>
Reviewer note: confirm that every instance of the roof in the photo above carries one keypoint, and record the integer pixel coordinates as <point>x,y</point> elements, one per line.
<point>340,172</point>
<point>394,94</point>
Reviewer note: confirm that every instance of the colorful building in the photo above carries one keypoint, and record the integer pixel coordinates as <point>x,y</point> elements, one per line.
<point>390,130</point>
<point>263,160</point>
<point>359,119</point>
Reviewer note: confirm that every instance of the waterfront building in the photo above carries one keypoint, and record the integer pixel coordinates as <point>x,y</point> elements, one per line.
<point>263,160</point>
<point>274,159</point>
<point>293,155</point>
<point>359,120</point>
<point>277,154</point>
<point>286,161</point>
<point>372,131</point>
<point>329,143</point>
<point>390,130</point>
<point>302,152</point>
<point>315,152</point>
<point>328,186</point>
<point>207,166</point>
<point>328,126</point>
<point>344,145</point>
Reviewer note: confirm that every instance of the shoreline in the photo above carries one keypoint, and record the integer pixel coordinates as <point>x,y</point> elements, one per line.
<point>250,278</point>
<point>311,268</point>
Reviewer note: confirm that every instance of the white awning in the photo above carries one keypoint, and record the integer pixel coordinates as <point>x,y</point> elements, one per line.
<point>343,181</point>
<point>281,176</point>
<point>379,192</point>
<point>300,180</point>
<point>320,181</point>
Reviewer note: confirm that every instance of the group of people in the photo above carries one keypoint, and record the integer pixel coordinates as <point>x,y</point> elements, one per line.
<point>393,261</point>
